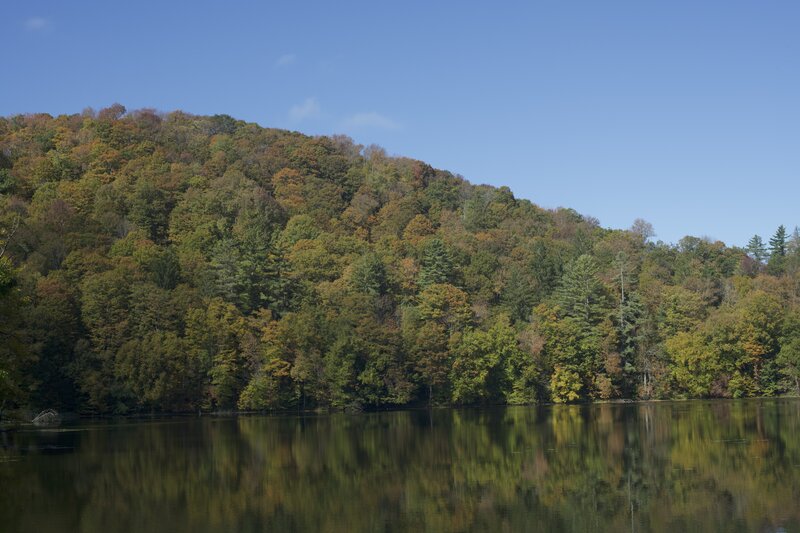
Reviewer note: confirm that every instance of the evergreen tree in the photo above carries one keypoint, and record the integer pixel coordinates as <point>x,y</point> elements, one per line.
<point>369,275</point>
<point>793,244</point>
<point>580,292</point>
<point>756,249</point>
<point>250,274</point>
<point>789,361</point>
<point>777,244</point>
<point>777,252</point>
<point>437,267</point>
<point>518,295</point>
<point>793,252</point>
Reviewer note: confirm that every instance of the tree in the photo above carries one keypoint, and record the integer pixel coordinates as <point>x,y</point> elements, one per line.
<point>580,294</point>
<point>105,313</point>
<point>162,372</point>
<point>216,332</point>
<point>777,251</point>
<point>445,304</point>
<point>267,388</point>
<point>565,384</point>
<point>756,249</point>
<point>250,274</point>
<point>789,361</point>
<point>518,294</point>
<point>437,267</point>
<point>747,338</point>
<point>489,366</point>
<point>150,208</point>
<point>290,371</point>
<point>475,370</point>
<point>521,372</point>
<point>15,354</point>
<point>53,320</point>
<point>777,243</point>
<point>793,252</point>
<point>630,311</point>
<point>681,310</point>
<point>694,364</point>
<point>165,269</point>
<point>7,235</point>
<point>431,357</point>
<point>643,229</point>
<point>369,275</point>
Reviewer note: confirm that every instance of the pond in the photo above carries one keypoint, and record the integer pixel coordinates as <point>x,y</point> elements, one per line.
<point>667,466</point>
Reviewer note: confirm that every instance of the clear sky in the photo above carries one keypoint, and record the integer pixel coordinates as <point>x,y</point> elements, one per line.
<point>684,113</point>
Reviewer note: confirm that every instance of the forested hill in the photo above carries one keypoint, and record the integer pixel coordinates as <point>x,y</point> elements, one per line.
<point>176,262</point>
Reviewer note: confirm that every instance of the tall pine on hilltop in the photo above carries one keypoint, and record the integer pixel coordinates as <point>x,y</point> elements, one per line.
<point>777,251</point>
<point>756,249</point>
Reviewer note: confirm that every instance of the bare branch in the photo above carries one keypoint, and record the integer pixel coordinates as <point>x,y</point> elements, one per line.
<point>10,237</point>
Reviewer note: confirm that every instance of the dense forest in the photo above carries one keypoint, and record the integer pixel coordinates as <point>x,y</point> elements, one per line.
<point>170,262</point>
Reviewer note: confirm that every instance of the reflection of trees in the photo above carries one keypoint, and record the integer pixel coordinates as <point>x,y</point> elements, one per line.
<point>660,467</point>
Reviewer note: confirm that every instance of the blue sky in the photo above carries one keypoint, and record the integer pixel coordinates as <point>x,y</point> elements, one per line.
<point>684,113</point>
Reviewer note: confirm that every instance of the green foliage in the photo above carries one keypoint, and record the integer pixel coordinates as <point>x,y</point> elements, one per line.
<point>445,304</point>
<point>149,209</point>
<point>565,384</point>
<point>437,266</point>
<point>518,295</point>
<point>777,251</point>
<point>490,367</point>
<point>7,181</point>
<point>369,275</point>
<point>165,269</point>
<point>777,243</point>
<point>476,368</point>
<point>173,262</point>
<point>580,293</point>
<point>14,353</point>
<point>789,361</point>
<point>264,391</point>
<point>756,249</point>
<point>6,275</point>
<point>681,311</point>
<point>162,372</point>
<point>694,366</point>
<point>216,332</point>
<point>431,356</point>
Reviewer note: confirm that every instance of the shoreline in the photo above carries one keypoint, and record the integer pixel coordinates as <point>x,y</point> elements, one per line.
<point>68,418</point>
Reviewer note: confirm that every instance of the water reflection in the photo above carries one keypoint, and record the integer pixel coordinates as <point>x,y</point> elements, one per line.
<point>691,466</point>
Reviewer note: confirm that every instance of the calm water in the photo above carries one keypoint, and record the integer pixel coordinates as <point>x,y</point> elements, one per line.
<point>690,466</point>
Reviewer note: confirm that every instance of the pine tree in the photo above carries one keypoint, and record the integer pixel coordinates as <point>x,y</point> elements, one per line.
<point>777,251</point>
<point>369,275</point>
<point>437,267</point>
<point>580,291</point>
<point>756,249</point>
<point>250,275</point>
<point>793,252</point>
<point>777,244</point>
<point>629,313</point>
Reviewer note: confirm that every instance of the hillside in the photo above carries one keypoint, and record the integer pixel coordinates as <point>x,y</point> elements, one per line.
<point>170,262</point>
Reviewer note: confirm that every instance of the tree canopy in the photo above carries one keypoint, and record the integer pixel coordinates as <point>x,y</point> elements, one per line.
<point>170,262</point>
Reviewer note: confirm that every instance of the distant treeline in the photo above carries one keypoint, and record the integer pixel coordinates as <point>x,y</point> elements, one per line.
<point>175,262</point>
